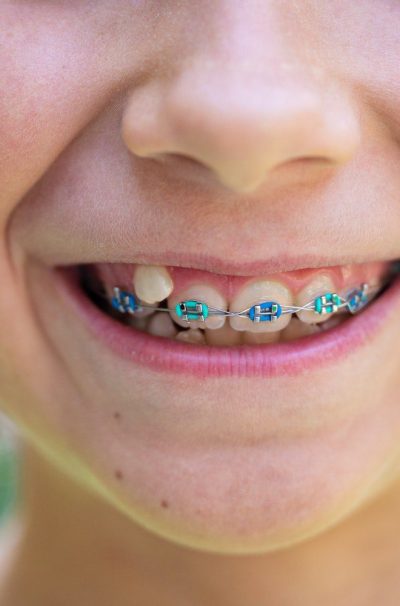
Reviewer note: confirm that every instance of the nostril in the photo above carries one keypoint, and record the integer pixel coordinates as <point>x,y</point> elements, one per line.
<point>308,163</point>
<point>310,159</point>
<point>186,167</point>
<point>177,158</point>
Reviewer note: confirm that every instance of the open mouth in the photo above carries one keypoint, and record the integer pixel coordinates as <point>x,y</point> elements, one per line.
<point>176,304</point>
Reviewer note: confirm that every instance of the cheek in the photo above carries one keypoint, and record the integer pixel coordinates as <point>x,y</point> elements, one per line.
<point>55,77</point>
<point>340,32</point>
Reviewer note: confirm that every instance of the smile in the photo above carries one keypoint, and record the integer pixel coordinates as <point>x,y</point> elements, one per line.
<point>180,323</point>
<point>260,310</point>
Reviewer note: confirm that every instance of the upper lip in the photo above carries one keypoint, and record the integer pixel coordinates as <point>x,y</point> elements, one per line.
<point>206,262</point>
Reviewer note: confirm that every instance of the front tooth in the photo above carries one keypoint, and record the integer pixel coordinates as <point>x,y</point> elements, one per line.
<point>152,283</point>
<point>260,291</point>
<point>320,285</point>
<point>203,293</point>
<point>193,335</point>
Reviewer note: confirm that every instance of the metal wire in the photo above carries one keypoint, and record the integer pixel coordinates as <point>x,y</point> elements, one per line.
<point>342,303</point>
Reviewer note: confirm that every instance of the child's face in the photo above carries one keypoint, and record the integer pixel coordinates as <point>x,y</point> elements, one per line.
<point>241,138</point>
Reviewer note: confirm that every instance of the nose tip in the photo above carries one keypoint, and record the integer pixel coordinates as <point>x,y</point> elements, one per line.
<point>242,130</point>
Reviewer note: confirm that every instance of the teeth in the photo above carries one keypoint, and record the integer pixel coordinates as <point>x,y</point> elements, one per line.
<point>223,336</point>
<point>258,338</point>
<point>206,294</point>
<point>296,329</point>
<point>193,335</point>
<point>143,313</point>
<point>140,323</point>
<point>333,321</point>
<point>320,285</point>
<point>257,292</point>
<point>152,283</point>
<point>161,325</point>
<point>131,319</point>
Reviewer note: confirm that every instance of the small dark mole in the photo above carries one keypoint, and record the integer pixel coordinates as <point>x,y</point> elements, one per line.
<point>164,503</point>
<point>118,474</point>
<point>117,415</point>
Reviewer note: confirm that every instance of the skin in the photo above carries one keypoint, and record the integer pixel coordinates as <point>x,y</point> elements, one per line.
<point>131,128</point>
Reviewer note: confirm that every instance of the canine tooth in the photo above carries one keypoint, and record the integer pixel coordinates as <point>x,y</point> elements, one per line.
<point>205,294</point>
<point>260,291</point>
<point>320,285</point>
<point>152,283</point>
<point>296,329</point>
<point>161,325</point>
<point>193,335</point>
<point>223,336</point>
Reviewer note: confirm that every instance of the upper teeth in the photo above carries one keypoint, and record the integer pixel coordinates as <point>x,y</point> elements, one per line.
<point>264,301</point>
<point>259,291</point>
<point>201,292</point>
<point>320,285</point>
<point>152,283</point>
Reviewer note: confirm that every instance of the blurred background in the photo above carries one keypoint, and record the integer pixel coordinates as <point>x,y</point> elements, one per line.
<point>9,468</point>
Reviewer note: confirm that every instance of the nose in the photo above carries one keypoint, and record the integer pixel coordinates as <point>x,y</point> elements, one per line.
<point>243,120</point>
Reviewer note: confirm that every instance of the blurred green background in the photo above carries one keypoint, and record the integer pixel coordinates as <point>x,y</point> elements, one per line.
<point>9,468</point>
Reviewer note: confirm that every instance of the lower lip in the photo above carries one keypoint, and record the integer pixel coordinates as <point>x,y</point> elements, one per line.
<point>282,359</point>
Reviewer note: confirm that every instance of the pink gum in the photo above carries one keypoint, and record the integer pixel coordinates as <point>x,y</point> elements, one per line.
<point>343,276</point>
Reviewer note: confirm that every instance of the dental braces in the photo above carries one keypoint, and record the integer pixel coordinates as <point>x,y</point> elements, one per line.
<point>264,311</point>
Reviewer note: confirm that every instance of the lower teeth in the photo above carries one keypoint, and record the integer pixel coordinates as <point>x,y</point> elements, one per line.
<point>162,325</point>
<point>192,335</point>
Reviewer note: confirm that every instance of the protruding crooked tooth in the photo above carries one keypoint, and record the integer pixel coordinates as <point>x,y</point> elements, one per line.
<point>152,283</point>
<point>193,335</point>
<point>161,325</point>
<point>296,329</point>
<point>205,294</point>
<point>260,291</point>
<point>320,285</point>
